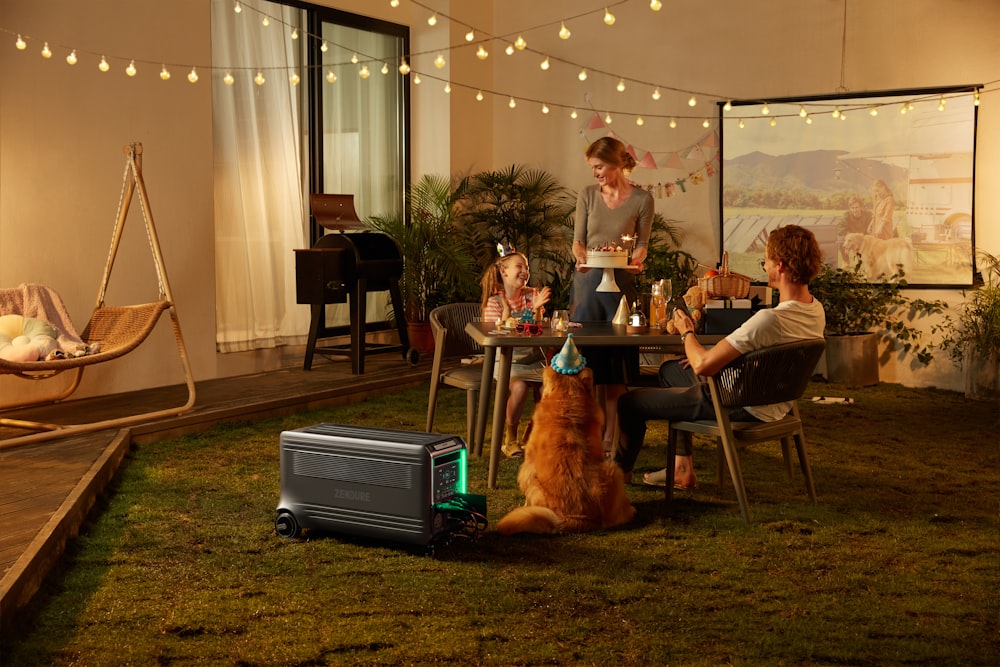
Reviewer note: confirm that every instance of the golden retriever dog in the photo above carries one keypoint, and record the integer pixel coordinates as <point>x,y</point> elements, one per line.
<point>567,483</point>
<point>879,256</point>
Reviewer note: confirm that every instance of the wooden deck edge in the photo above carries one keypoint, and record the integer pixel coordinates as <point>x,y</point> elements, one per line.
<point>25,577</point>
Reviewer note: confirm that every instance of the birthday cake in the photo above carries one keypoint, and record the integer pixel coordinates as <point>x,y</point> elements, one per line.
<point>609,256</point>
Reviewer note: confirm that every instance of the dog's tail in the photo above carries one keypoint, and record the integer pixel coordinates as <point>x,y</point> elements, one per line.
<point>533,519</point>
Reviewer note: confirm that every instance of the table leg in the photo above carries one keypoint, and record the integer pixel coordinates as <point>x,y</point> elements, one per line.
<point>485,385</point>
<point>499,413</point>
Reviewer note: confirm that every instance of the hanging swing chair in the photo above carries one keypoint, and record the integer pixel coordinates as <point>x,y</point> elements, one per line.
<point>112,332</point>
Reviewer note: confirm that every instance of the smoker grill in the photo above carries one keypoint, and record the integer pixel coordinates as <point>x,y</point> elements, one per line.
<point>343,266</point>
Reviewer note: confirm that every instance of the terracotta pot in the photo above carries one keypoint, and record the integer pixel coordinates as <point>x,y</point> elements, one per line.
<point>421,336</point>
<point>852,360</point>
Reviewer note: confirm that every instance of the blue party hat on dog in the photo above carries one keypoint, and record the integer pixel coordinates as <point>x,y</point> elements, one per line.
<point>568,361</point>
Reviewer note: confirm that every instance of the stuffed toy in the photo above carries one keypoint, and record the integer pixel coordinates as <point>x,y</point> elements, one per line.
<point>26,338</point>
<point>568,485</point>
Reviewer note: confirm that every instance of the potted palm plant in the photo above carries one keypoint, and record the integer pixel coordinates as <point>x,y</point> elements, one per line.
<point>974,339</point>
<point>860,314</point>
<point>432,261</point>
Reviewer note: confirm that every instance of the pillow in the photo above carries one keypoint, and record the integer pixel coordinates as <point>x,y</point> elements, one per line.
<point>26,338</point>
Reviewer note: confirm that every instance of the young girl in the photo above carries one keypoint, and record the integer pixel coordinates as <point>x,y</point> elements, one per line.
<point>506,294</point>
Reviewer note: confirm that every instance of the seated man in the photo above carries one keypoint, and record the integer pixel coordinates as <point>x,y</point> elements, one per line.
<point>792,258</point>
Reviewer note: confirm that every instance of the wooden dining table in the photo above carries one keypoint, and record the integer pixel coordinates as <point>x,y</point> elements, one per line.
<point>585,334</point>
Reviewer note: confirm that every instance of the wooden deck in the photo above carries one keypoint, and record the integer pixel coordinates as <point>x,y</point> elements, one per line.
<point>47,489</point>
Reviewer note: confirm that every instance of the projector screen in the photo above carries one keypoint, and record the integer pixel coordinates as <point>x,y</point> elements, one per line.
<point>885,179</point>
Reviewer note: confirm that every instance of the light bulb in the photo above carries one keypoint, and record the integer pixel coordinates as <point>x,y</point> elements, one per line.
<point>404,67</point>
<point>809,120</point>
<point>573,114</point>
<point>607,119</point>
<point>416,79</point>
<point>836,112</point>
<point>512,103</point>
<point>975,97</point>
<point>802,112</point>
<point>259,79</point>
<point>545,108</point>
<point>509,50</point>
<point>354,59</point>
<point>582,76</point>
<point>639,121</point>
<point>482,53</point>
<point>873,112</point>
<point>103,65</point>
<point>237,8</point>
<point>479,96</point>
<point>294,79</point>
<point>130,70</point>
<point>728,106</point>
<point>519,43</point>
<point>71,58</point>
<point>764,110</point>
<point>265,22</point>
<point>439,62</point>
<point>331,76</point>
<point>432,21</point>
<point>740,124</point>
<point>471,35</point>
<point>228,79</point>
<point>385,68</point>
<point>692,101</point>
<point>20,44</point>
<point>193,76</point>
<point>673,123</point>
<point>843,116</point>
<point>324,47</point>
<point>164,73</point>
<point>705,124</point>
<point>363,72</point>
<point>295,33</point>
<point>621,86</point>
<point>46,52</point>
<point>941,104</point>
<point>774,121</point>
<point>447,87</point>
<point>545,64</point>
<point>394,3</point>
<point>609,18</point>
<point>564,32</point>
<point>656,94</point>
<point>655,5</point>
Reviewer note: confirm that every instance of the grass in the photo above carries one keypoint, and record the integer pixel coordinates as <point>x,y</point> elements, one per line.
<point>896,565</point>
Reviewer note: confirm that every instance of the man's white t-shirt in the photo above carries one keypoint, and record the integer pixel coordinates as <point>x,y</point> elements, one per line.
<point>787,322</point>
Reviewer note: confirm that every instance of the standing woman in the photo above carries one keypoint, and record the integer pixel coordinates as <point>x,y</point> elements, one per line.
<point>883,207</point>
<point>606,211</point>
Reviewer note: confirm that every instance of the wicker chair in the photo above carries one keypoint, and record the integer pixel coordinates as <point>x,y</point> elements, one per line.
<point>451,345</point>
<point>113,330</point>
<point>770,375</point>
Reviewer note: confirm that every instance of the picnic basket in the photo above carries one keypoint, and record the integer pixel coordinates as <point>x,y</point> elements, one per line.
<point>725,284</point>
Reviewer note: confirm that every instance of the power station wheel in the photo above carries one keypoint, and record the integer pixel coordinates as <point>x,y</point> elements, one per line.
<point>286,526</point>
<point>412,356</point>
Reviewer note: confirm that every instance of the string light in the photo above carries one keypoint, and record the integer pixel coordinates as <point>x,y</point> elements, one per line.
<point>227,79</point>
<point>873,112</point>
<point>545,108</point>
<point>836,112</point>
<point>764,110</point>
<point>331,76</point>
<point>294,79</point>
<point>519,43</point>
<point>482,53</point>
<point>432,21</point>
<point>509,50</point>
<point>975,97</point>
<point>363,72</point>
<point>656,94</point>
<point>46,52</point>
<point>130,70</point>
<point>71,58</point>
<point>259,79</point>
<point>394,3</point>
<point>564,32</point>
<point>439,62</point>
<point>903,108</point>
<point>404,67</point>
<point>545,64</point>
<point>103,65</point>
<point>237,8</point>
<point>673,123</point>
<point>621,86</point>
<point>324,47</point>
<point>809,120</point>
<point>354,59</point>
<point>447,88</point>
<point>941,103</point>
<point>639,121</point>
<point>741,125</point>
<point>193,76</point>
<point>471,35</point>
<point>582,76</point>
<point>705,124</point>
<point>774,122</point>
<point>295,33</point>
<point>265,22</point>
<point>573,114</point>
<point>416,79</point>
<point>385,68</point>
<point>692,101</point>
<point>728,106</point>
<point>802,112</point>
<point>607,118</point>
<point>655,5</point>
<point>479,96</point>
<point>512,103</point>
<point>609,18</point>
<point>20,44</point>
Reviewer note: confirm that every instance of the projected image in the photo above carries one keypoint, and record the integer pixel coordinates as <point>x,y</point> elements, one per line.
<point>886,180</point>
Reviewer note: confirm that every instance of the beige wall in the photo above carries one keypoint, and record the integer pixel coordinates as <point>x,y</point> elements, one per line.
<point>62,127</point>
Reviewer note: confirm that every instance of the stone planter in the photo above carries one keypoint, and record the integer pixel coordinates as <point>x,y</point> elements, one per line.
<point>852,360</point>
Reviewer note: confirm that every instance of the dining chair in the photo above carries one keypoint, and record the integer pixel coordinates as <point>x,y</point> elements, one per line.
<point>770,375</point>
<point>451,345</point>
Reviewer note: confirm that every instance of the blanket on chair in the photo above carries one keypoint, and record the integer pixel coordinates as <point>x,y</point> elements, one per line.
<point>44,303</point>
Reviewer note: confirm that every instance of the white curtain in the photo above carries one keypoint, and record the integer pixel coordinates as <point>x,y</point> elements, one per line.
<point>261,214</point>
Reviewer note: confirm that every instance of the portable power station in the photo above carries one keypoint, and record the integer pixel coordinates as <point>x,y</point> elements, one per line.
<point>403,486</point>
